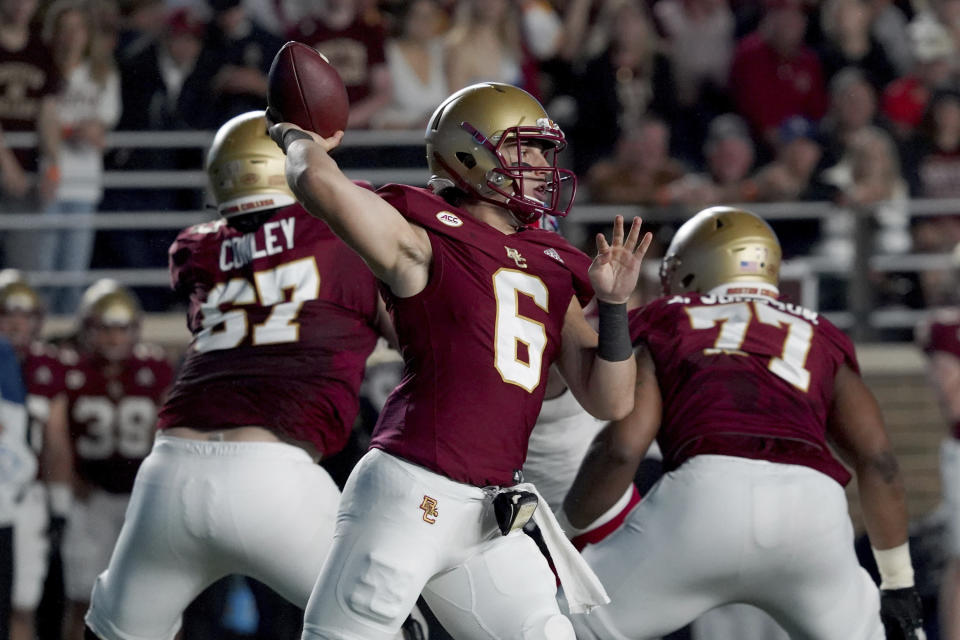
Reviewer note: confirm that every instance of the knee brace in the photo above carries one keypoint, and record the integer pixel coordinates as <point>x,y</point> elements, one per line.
<point>552,626</point>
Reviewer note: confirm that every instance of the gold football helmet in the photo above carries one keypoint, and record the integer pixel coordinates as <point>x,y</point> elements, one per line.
<point>466,139</point>
<point>108,303</point>
<point>717,246</point>
<point>17,295</point>
<point>246,168</point>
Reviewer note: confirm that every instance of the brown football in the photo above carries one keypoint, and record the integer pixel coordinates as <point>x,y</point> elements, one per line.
<point>305,89</point>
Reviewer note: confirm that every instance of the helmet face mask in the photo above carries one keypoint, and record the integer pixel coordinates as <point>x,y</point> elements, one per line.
<point>472,136</point>
<point>721,245</point>
<point>109,321</point>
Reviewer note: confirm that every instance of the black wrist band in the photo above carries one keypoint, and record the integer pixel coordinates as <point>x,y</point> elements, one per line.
<point>292,135</point>
<point>614,342</point>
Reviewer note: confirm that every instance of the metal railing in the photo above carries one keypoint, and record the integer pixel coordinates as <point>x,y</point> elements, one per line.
<point>861,317</point>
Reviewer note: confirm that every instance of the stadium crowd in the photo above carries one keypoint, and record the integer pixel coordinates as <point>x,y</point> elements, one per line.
<point>673,104</point>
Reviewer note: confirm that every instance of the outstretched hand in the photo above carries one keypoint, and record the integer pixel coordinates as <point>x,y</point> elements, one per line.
<point>616,269</point>
<point>279,130</point>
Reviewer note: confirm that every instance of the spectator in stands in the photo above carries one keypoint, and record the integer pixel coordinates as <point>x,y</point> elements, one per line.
<point>416,63</point>
<point>699,40</point>
<point>792,175</point>
<point>868,176</point>
<point>775,75</point>
<point>937,147</point>
<point>89,107</point>
<point>905,99</point>
<point>230,76</point>
<point>640,170</point>
<point>849,43</point>
<point>14,182</point>
<point>484,44</point>
<point>730,157</point>
<point>615,89</point>
<point>889,28</point>
<point>355,45</point>
<point>151,77</point>
<point>29,83</point>
<point>141,23</point>
<point>853,107</point>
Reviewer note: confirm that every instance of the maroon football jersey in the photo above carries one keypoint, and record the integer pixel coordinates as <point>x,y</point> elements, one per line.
<point>43,375</point>
<point>941,332</point>
<point>477,342</point>
<point>745,376</point>
<point>112,413</point>
<point>283,320</point>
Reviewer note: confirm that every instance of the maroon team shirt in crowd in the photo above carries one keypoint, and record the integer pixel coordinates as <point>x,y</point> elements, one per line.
<point>283,320</point>
<point>353,51</point>
<point>112,412</point>
<point>27,76</point>
<point>748,376</point>
<point>941,332</point>
<point>477,342</point>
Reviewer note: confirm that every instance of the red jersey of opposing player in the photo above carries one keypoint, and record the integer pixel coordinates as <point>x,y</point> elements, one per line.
<point>283,319</point>
<point>747,376</point>
<point>941,332</point>
<point>112,412</point>
<point>43,374</point>
<point>477,342</point>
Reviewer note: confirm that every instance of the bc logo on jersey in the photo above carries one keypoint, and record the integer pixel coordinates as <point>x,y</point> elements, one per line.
<point>514,255</point>
<point>429,506</point>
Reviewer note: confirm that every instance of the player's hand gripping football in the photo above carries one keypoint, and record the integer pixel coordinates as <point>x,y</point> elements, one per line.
<point>616,268</point>
<point>284,133</point>
<point>901,612</point>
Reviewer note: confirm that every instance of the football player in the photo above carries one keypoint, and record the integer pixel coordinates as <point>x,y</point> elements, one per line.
<point>21,320</point>
<point>939,336</point>
<point>283,317</point>
<point>743,392</point>
<point>483,305</point>
<point>114,386</point>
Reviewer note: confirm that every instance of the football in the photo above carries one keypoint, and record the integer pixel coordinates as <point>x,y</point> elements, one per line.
<point>305,89</point>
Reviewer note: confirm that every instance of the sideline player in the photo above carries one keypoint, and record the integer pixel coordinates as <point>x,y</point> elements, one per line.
<point>114,385</point>
<point>939,338</point>
<point>283,316</point>
<point>21,320</point>
<point>743,391</point>
<point>483,305</point>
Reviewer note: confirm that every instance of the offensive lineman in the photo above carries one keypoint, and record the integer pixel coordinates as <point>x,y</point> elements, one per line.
<point>283,317</point>
<point>742,392</point>
<point>114,385</point>
<point>482,305</point>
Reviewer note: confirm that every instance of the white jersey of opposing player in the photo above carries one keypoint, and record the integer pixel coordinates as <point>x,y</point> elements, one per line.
<point>558,443</point>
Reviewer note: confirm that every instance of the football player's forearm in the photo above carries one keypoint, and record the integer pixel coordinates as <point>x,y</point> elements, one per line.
<point>604,476</point>
<point>883,500</point>
<point>610,387</point>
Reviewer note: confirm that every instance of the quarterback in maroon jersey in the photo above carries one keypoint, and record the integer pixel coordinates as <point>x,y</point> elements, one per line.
<point>939,337</point>
<point>483,305</point>
<point>21,319</point>
<point>743,391</point>
<point>283,316</point>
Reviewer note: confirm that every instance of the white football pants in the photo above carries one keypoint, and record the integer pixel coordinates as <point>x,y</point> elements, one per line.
<point>201,510</point>
<point>724,529</point>
<point>403,529</point>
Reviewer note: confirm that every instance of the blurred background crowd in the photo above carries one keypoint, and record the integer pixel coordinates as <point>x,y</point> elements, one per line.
<point>672,104</point>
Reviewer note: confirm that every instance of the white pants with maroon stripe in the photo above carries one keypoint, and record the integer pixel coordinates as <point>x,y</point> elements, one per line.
<point>201,510</point>
<point>403,529</point>
<point>30,548</point>
<point>723,529</point>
